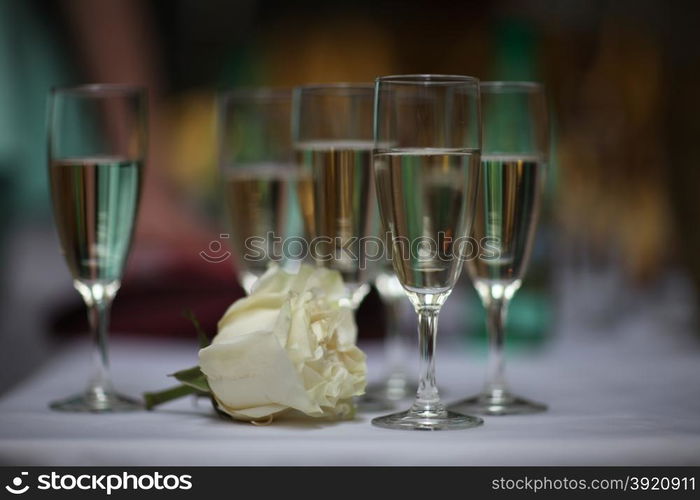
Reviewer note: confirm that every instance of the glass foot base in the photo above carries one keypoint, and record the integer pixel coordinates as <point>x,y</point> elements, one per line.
<point>97,401</point>
<point>373,402</point>
<point>385,394</point>
<point>393,389</point>
<point>422,420</point>
<point>498,403</point>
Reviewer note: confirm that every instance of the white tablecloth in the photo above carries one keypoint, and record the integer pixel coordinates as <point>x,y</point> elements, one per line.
<point>611,402</point>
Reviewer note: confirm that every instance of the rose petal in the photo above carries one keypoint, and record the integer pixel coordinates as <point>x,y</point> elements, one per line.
<point>250,314</point>
<point>256,413</point>
<point>253,370</point>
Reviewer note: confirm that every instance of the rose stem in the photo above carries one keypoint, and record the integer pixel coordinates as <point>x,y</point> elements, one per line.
<point>153,399</point>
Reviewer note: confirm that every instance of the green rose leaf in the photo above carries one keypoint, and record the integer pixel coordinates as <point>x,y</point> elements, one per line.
<point>193,380</point>
<point>193,377</point>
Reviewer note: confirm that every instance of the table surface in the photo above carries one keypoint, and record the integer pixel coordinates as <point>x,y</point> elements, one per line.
<point>612,402</point>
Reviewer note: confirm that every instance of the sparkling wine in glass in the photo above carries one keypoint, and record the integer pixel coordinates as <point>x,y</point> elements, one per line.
<point>426,163</point>
<point>332,129</point>
<point>97,145</point>
<point>260,178</point>
<point>513,166</point>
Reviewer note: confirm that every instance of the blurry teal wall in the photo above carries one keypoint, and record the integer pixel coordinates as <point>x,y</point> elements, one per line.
<point>30,63</point>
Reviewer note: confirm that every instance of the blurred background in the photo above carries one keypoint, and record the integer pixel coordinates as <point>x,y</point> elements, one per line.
<point>617,240</point>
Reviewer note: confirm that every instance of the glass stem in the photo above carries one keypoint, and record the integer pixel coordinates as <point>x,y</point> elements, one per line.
<point>496,310</point>
<point>394,341</point>
<point>98,299</point>
<point>427,397</point>
<point>98,315</point>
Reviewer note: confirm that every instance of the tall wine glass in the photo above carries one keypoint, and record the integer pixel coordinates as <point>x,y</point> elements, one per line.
<point>96,148</point>
<point>513,164</point>
<point>426,163</point>
<point>332,132</point>
<point>257,165</point>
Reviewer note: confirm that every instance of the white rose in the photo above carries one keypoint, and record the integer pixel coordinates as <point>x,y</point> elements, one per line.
<point>288,345</point>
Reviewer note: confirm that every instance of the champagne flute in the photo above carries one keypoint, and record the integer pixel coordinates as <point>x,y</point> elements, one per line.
<point>332,133</point>
<point>96,147</point>
<point>426,162</point>
<point>513,165</point>
<point>256,163</point>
